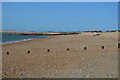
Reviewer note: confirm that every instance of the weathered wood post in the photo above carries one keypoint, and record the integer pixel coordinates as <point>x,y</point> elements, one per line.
<point>8,53</point>
<point>102,47</point>
<point>28,51</point>
<point>48,50</point>
<point>118,45</point>
<point>68,49</point>
<point>85,48</point>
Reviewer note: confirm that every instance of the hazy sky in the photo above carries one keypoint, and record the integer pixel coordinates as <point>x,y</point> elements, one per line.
<point>59,16</point>
<point>60,0</point>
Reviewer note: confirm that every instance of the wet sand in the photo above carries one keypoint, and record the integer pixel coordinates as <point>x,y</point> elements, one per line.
<point>66,57</point>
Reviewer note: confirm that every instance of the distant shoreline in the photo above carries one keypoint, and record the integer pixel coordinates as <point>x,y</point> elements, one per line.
<point>49,34</point>
<point>54,33</point>
<point>41,33</point>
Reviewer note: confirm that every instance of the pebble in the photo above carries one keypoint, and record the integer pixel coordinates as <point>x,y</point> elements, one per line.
<point>14,70</point>
<point>81,70</point>
<point>88,76</point>
<point>17,67</point>
<point>22,74</point>
<point>73,72</point>
<point>53,69</point>
<point>48,65</point>
<point>82,58</point>
<point>33,56</point>
<point>12,74</point>
<point>92,69</point>
<point>5,74</point>
<point>110,76</point>
<point>66,60</point>
<point>56,70</point>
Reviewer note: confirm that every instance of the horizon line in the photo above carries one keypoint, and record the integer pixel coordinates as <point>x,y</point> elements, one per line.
<point>60,31</point>
<point>60,0</point>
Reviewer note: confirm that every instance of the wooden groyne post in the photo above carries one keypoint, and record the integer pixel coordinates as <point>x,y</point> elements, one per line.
<point>48,50</point>
<point>85,48</point>
<point>8,53</point>
<point>118,45</point>
<point>68,49</point>
<point>28,51</point>
<point>102,47</point>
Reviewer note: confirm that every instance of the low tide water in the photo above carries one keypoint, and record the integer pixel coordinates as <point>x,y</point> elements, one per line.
<point>12,38</point>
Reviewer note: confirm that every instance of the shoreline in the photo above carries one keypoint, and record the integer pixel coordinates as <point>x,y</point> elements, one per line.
<point>17,41</point>
<point>23,40</point>
<point>45,34</point>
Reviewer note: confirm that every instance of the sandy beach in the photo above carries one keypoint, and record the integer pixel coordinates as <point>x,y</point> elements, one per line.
<point>66,57</point>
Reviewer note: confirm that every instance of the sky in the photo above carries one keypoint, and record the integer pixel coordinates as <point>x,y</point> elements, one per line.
<point>0,16</point>
<point>60,0</point>
<point>59,16</point>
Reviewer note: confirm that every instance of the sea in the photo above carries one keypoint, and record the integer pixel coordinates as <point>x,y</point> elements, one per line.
<point>12,38</point>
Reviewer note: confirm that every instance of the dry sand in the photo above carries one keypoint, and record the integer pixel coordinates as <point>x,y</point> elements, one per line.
<point>60,63</point>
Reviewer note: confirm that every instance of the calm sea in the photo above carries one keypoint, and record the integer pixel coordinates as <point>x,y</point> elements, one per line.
<point>12,38</point>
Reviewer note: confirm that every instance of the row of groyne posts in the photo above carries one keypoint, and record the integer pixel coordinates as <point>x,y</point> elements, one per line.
<point>85,48</point>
